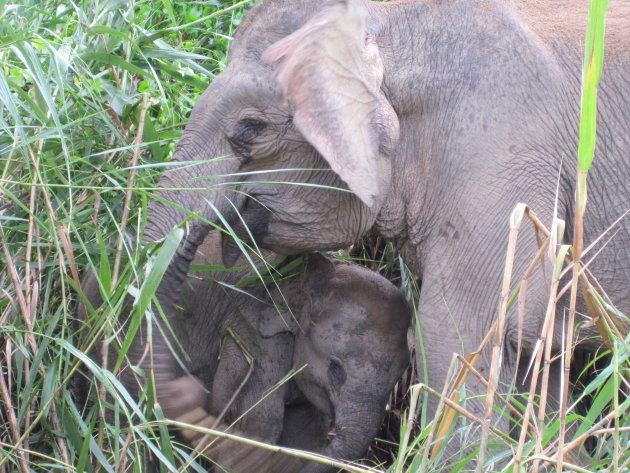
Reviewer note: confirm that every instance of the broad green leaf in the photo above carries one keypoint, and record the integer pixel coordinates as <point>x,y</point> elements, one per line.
<point>593,59</point>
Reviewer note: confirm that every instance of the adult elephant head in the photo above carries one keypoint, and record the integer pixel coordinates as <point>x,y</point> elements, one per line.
<point>290,144</point>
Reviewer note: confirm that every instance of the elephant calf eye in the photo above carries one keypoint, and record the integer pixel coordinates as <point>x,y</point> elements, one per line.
<point>336,373</point>
<point>245,132</point>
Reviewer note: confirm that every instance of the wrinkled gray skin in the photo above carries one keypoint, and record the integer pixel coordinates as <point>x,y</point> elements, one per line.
<point>343,327</point>
<point>439,117</point>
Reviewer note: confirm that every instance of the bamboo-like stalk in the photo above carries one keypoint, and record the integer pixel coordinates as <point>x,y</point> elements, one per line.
<point>497,346</point>
<point>443,418</point>
<point>13,424</point>
<point>547,336</point>
<point>414,395</point>
<point>593,59</point>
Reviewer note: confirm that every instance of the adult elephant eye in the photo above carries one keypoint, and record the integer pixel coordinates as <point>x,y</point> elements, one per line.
<point>244,134</point>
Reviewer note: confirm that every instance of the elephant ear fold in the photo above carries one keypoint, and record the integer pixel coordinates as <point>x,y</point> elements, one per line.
<point>331,72</point>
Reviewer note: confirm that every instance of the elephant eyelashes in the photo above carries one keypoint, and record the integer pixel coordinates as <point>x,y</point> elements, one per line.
<point>245,132</point>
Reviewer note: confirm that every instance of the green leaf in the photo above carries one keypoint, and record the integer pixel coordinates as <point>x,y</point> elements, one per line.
<point>591,73</point>
<point>151,283</point>
<point>102,29</point>
<point>113,60</point>
<point>151,136</point>
<point>168,6</point>
<point>82,463</point>
<point>48,388</point>
<point>104,272</point>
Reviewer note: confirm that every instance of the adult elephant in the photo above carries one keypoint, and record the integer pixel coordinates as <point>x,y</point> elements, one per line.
<point>426,121</point>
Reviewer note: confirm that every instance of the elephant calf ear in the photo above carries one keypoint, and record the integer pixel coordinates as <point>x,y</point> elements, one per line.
<point>331,71</point>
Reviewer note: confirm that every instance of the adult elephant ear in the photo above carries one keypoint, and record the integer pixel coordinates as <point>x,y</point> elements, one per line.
<point>331,72</point>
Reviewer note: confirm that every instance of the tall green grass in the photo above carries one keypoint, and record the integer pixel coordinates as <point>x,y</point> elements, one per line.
<point>93,98</point>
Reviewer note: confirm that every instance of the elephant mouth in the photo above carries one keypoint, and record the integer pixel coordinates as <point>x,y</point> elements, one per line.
<point>250,227</point>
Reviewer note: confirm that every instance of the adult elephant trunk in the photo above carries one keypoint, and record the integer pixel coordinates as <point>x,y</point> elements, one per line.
<point>356,423</point>
<point>197,190</point>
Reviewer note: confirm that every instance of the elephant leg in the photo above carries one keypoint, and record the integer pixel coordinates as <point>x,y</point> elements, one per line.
<point>456,313</point>
<point>245,383</point>
<point>442,334</point>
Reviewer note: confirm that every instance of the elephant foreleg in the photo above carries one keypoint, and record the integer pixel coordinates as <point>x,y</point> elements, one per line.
<point>249,358</point>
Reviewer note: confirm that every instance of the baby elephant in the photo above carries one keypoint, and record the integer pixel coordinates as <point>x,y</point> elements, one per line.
<point>339,326</point>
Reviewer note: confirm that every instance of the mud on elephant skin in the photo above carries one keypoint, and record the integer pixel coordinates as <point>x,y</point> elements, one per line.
<point>438,117</point>
<point>342,327</point>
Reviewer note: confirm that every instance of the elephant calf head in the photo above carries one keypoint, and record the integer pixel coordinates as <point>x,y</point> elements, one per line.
<point>354,343</point>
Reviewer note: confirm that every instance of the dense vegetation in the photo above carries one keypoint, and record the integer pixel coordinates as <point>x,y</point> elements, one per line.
<point>94,95</point>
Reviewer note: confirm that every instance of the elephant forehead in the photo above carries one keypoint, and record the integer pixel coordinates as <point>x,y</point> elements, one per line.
<point>267,22</point>
<point>351,321</point>
<point>382,305</point>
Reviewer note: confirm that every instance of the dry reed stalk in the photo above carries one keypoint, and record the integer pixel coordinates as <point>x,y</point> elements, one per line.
<point>13,424</point>
<point>29,242</point>
<point>462,411</point>
<point>497,344</point>
<point>411,422</point>
<point>550,318</point>
<point>62,235</point>
<point>538,352</point>
<point>18,287</point>
<point>443,417</point>
<point>131,181</point>
<point>550,461</point>
<point>59,234</point>
<point>484,381</point>
<point>545,336</point>
<point>121,464</point>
